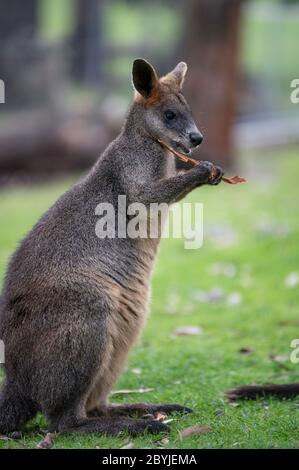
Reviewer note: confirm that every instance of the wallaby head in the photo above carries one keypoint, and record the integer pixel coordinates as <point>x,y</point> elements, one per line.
<point>166,114</point>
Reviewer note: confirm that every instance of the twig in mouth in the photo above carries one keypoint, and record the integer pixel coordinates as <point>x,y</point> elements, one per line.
<point>233,180</point>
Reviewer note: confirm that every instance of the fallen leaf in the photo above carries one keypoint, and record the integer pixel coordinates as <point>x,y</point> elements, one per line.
<point>222,236</point>
<point>215,295</point>
<point>187,331</point>
<point>234,299</point>
<point>288,322</point>
<point>130,445</point>
<point>292,280</point>
<point>226,269</point>
<point>127,392</point>
<point>194,430</point>
<point>200,296</point>
<point>47,442</point>
<point>163,442</point>
<point>280,359</point>
<point>266,227</point>
<point>5,438</point>
<point>234,404</point>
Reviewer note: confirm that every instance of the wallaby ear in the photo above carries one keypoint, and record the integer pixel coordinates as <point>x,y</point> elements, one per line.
<point>144,77</point>
<point>179,73</point>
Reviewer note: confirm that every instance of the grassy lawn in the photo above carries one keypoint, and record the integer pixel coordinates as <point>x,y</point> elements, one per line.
<point>233,288</point>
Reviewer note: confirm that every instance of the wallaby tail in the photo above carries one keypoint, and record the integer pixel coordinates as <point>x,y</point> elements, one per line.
<point>251,392</point>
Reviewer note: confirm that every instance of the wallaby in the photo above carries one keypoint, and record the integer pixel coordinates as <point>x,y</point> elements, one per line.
<point>73,304</point>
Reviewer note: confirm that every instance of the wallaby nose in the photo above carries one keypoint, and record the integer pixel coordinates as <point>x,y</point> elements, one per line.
<point>196,138</point>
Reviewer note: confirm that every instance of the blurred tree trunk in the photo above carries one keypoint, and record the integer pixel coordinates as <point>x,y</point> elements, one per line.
<point>211,49</point>
<point>18,18</point>
<point>86,40</point>
<point>18,24</point>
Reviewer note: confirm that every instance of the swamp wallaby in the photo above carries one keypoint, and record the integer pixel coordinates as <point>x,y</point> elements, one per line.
<point>73,304</point>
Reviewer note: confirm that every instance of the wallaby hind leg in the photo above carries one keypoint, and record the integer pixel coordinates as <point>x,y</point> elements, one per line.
<point>139,409</point>
<point>73,422</point>
<point>15,410</point>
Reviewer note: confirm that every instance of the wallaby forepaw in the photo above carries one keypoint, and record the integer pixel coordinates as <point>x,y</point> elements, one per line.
<point>216,175</point>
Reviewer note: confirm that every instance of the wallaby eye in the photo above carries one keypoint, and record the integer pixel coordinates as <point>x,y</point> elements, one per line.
<point>169,115</point>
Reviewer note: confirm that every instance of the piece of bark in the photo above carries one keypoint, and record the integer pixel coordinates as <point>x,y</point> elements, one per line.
<point>187,331</point>
<point>129,445</point>
<point>163,442</point>
<point>197,429</point>
<point>47,443</point>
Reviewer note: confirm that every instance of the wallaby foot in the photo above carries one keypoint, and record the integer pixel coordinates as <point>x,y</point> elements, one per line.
<point>15,411</point>
<point>139,409</point>
<point>113,426</point>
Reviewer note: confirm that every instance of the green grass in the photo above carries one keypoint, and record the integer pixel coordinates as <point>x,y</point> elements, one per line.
<point>196,370</point>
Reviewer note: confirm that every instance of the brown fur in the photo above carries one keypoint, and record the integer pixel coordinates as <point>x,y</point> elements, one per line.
<point>74,304</point>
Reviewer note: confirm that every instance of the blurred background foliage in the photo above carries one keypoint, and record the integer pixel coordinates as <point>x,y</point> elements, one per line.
<point>67,64</point>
